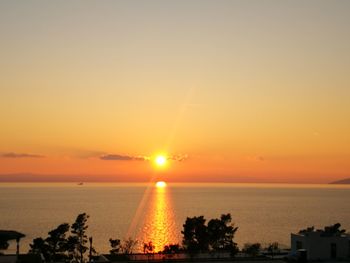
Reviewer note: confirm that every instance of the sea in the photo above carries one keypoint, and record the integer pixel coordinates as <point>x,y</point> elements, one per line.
<point>263,213</point>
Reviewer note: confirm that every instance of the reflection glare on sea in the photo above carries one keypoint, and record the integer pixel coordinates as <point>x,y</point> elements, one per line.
<point>264,213</point>
<point>159,225</point>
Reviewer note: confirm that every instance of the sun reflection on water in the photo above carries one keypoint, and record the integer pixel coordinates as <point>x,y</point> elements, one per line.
<point>159,225</point>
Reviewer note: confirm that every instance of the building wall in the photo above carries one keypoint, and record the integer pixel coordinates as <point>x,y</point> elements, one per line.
<point>318,247</point>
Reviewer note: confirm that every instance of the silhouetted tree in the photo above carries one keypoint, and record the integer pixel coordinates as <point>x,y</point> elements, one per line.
<point>307,230</point>
<point>78,231</point>
<point>58,247</point>
<point>221,233</point>
<point>252,249</point>
<point>327,231</point>
<point>171,249</point>
<point>195,235</point>
<point>53,248</point>
<point>128,246</point>
<point>216,236</point>
<point>115,245</point>
<point>71,248</point>
<point>56,241</point>
<point>39,246</point>
<point>334,229</point>
<point>148,247</point>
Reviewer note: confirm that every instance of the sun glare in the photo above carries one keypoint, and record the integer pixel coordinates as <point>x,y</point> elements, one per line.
<point>160,184</point>
<point>160,160</point>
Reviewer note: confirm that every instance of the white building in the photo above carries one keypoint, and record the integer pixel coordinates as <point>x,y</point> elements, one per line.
<point>328,244</point>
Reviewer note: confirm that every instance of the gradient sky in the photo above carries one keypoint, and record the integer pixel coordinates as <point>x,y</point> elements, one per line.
<point>237,91</point>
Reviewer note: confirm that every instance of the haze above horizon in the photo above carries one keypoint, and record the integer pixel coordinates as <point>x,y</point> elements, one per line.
<point>232,91</point>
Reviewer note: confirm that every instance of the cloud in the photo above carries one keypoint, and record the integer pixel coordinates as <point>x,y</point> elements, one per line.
<point>178,158</point>
<point>261,158</point>
<point>118,157</point>
<point>21,155</point>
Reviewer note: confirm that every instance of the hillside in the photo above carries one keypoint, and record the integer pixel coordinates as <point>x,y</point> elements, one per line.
<point>343,181</point>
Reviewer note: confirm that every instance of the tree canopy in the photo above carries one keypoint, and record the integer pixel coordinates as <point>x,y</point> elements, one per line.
<point>217,235</point>
<point>59,246</point>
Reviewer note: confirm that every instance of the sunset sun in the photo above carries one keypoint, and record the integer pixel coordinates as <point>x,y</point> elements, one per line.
<point>160,160</point>
<point>174,131</point>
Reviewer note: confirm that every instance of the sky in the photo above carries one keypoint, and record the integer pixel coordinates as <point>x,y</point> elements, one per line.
<point>229,91</point>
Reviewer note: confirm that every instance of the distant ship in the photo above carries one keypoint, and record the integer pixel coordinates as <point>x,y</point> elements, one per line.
<point>81,183</point>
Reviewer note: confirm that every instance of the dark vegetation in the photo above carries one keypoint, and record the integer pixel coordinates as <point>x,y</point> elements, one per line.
<point>66,242</point>
<point>70,243</point>
<point>216,236</point>
<point>253,250</point>
<point>126,247</point>
<point>332,230</point>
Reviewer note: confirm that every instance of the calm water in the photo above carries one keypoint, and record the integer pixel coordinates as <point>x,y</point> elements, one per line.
<point>264,213</point>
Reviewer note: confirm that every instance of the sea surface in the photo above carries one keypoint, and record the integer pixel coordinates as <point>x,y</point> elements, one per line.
<point>263,212</point>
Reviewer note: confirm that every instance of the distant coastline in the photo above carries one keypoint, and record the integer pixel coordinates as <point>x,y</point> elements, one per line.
<point>343,181</point>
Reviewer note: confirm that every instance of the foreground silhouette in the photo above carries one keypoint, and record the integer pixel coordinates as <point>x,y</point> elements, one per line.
<point>216,236</point>
<point>60,247</point>
<point>69,243</point>
<point>201,240</point>
<point>6,236</point>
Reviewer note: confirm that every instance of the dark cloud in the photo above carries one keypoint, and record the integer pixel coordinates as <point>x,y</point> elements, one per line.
<point>118,157</point>
<point>178,158</point>
<point>21,155</point>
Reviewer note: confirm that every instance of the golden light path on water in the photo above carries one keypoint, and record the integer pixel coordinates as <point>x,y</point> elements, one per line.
<point>159,222</point>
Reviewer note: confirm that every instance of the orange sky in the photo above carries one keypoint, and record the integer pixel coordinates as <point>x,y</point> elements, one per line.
<point>236,91</point>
